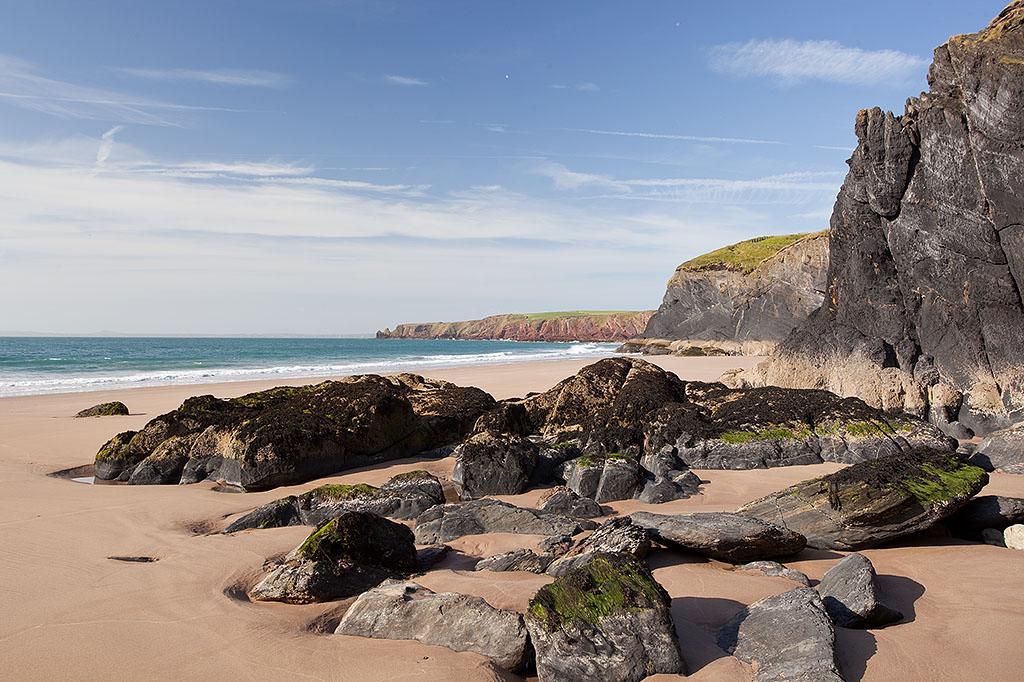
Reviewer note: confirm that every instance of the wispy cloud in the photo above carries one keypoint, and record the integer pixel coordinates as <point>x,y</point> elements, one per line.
<point>673,136</point>
<point>582,87</point>
<point>788,62</point>
<point>238,77</point>
<point>22,85</point>
<point>106,147</point>
<point>406,81</point>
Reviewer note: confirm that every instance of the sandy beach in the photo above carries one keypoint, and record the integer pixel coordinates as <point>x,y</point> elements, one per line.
<point>67,611</point>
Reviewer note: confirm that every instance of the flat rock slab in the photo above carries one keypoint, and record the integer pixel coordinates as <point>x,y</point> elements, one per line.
<point>446,522</point>
<point>773,569</point>
<point>849,591</point>
<point>789,636</point>
<point>516,560</point>
<point>406,610</point>
<point>722,535</point>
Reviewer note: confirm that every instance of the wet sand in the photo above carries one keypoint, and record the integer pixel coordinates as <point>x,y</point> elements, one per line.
<point>69,612</point>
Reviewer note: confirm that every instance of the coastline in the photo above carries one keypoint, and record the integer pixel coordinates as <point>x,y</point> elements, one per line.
<point>70,612</point>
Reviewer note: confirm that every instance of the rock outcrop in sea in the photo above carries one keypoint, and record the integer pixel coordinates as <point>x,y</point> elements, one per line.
<point>579,325</point>
<point>923,309</point>
<point>741,299</point>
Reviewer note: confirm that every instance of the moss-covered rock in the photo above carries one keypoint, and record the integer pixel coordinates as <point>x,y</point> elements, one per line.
<point>605,619</point>
<point>111,409</point>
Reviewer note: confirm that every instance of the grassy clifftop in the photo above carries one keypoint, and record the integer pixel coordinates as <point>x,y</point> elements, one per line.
<point>745,256</point>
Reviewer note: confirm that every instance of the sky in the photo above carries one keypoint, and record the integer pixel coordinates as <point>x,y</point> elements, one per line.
<point>337,166</point>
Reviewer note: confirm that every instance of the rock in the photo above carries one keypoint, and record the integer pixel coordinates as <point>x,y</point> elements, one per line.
<point>993,536</point>
<point>744,298</point>
<point>603,478</point>
<point>986,511</point>
<point>849,591</point>
<point>288,435</point>
<point>774,569</point>
<point>404,496</point>
<point>923,309</point>
<point>489,464</point>
<point>446,522</point>
<point>788,636</point>
<point>556,545</point>
<point>722,535</point>
<point>165,464</point>
<point>1013,536</point>
<point>578,325</point>
<point>406,610</point>
<point>111,409</point>
<point>873,502</point>
<point>608,619</point>
<point>659,490</point>
<point>342,558</point>
<point>617,536</point>
<point>562,500</point>
<point>516,560</point>
<point>1002,450</point>
<point>431,555</point>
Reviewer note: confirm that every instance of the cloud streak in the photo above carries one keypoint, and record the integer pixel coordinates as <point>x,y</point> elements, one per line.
<point>789,62</point>
<point>253,78</point>
<point>106,147</point>
<point>406,81</point>
<point>672,136</point>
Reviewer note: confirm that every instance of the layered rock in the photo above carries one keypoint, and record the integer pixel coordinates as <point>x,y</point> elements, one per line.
<point>742,299</point>
<point>406,610</point>
<point>447,522</point>
<point>608,619</point>
<point>342,558</point>
<point>617,536</point>
<point>292,434</point>
<point>404,496</point>
<point>722,535</point>
<point>581,325</point>
<point>923,309</point>
<point>849,591</point>
<point>773,569</point>
<point>515,560</point>
<point>873,502</point>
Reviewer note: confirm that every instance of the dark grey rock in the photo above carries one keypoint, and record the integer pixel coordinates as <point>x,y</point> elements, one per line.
<point>556,545</point>
<point>986,511</point>
<point>722,535</point>
<point>515,560</point>
<point>1002,451</point>
<point>431,555</point>
<point>789,636</point>
<point>111,409</point>
<point>489,464</point>
<point>629,638</point>
<point>446,522</point>
<point>604,478</point>
<point>562,500</point>
<point>406,610</point>
<point>849,591</point>
<point>774,569</point>
<point>165,464</point>
<point>618,536</point>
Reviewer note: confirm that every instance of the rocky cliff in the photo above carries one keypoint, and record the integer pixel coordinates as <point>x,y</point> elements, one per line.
<point>581,325</point>
<point>924,308</point>
<point>743,298</point>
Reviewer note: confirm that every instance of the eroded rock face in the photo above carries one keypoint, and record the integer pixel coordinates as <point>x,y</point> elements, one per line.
<point>404,496</point>
<point>744,300</point>
<point>605,620</point>
<point>849,591</point>
<point>617,536</point>
<point>722,535</point>
<point>406,610</point>
<point>515,560</point>
<point>873,502</point>
<point>446,522</point>
<point>293,434</point>
<point>789,636</point>
<point>342,558</point>
<point>111,409</point>
<point>986,512</point>
<point>923,309</point>
<point>567,326</point>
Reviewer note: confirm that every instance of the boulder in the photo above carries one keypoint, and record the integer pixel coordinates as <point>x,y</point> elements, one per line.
<point>165,463</point>
<point>774,569</point>
<point>111,409</point>
<point>986,511</point>
<point>556,545</point>
<point>404,496</point>
<point>342,558</point>
<point>788,636</point>
<point>993,536</point>
<point>1002,451</point>
<point>445,522</point>
<point>873,502</point>
<point>489,464</point>
<point>289,435</point>
<point>563,500</point>
<point>679,487</point>
<point>616,536</point>
<point>608,619</point>
<point>1013,536</point>
<point>406,610</point>
<point>722,535</point>
<point>849,591</point>
<point>515,560</point>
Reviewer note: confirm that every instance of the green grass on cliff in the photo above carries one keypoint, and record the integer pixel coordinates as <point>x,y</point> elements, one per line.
<point>745,256</point>
<point>576,313</point>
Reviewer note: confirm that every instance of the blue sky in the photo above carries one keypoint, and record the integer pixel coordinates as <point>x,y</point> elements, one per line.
<point>322,166</point>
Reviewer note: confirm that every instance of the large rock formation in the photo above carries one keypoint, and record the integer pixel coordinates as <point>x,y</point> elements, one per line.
<point>292,434</point>
<point>722,535</point>
<point>580,325</point>
<point>744,298</point>
<point>446,522</point>
<point>924,308</point>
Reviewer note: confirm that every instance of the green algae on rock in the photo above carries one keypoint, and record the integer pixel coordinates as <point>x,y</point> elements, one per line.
<point>111,409</point>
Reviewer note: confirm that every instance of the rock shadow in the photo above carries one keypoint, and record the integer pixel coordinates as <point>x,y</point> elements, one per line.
<point>853,650</point>
<point>900,593</point>
<point>698,620</point>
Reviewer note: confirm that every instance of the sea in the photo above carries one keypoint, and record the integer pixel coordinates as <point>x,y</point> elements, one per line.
<point>36,365</point>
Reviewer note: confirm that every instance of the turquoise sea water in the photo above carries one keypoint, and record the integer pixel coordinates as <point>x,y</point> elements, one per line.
<point>30,365</point>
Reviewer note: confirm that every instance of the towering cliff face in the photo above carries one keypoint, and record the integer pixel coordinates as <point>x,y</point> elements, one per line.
<point>566,326</point>
<point>743,298</point>
<point>924,308</point>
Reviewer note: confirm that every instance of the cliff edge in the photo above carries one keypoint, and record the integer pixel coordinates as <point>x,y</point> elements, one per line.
<point>579,325</point>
